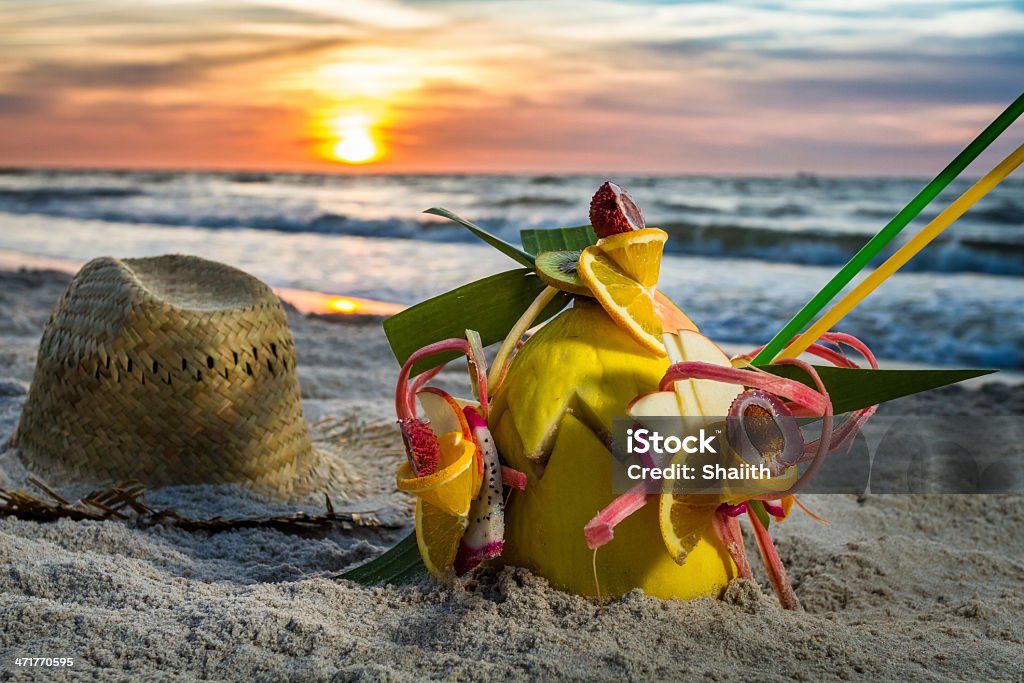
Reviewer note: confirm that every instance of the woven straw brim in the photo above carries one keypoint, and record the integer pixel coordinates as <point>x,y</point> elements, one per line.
<point>170,370</point>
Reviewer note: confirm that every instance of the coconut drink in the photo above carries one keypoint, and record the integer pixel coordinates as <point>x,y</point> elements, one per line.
<point>521,472</point>
<point>551,419</point>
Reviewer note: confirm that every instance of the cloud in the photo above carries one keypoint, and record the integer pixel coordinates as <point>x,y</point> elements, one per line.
<point>511,85</point>
<point>22,103</point>
<point>186,69</point>
<point>922,88</point>
<point>378,13</point>
<point>115,133</point>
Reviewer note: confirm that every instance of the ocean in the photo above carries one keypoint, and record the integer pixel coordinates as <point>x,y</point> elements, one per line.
<point>744,254</point>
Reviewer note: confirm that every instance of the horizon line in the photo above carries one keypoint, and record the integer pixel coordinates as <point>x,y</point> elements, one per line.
<point>342,172</point>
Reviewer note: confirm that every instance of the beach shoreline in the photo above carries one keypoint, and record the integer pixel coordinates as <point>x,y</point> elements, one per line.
<point>897,587</point>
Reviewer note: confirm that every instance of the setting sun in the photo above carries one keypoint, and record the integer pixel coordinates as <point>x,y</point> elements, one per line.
<point>356,147</point>
<point>351,139</point>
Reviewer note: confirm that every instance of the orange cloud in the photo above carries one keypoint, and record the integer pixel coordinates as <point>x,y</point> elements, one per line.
<point>492,86</point>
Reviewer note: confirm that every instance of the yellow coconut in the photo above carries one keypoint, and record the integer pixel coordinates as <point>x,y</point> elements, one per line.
<point>551,419</point>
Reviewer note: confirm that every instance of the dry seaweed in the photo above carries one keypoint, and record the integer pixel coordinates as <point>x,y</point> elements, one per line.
<point>124,501</point>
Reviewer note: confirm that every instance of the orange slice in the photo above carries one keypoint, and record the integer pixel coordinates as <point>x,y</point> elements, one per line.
<point>444,413</point>
<point>629,304</point>
<point>437,537</point>
<point>637,253</point>
<point>684,519</point>
<point>453,487</point>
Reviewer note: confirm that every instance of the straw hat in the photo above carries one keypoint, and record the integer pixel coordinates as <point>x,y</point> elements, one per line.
<point>170,370</point>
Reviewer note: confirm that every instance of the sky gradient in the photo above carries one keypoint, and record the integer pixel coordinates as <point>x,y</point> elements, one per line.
<point>866,87</point>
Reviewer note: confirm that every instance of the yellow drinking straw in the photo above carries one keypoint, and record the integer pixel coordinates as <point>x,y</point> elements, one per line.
<point>905,253</point>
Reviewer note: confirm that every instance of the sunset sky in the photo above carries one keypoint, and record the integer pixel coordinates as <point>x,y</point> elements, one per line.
<point>864,87</point>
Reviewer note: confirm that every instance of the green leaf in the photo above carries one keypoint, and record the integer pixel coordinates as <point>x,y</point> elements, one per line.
<point>501,245</point>
<point>558,239</point>
<point>398,565</point>
<point>757,507</point>
<point>490,306</point>
<point>476,355</point>
<point>854,389</point>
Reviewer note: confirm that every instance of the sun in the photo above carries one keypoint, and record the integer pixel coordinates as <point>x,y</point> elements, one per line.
<point>356,147</point>
<point>351,139</point>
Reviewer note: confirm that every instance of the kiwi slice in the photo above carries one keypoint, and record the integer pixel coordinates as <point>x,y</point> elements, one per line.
<point>558,269</point>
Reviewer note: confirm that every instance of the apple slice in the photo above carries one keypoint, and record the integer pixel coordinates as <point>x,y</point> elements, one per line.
<point>659,405</point>
<point>703,397</point>
<point>693,400</point>
<point>655,403</point>
<point>464,403</point>
<point>443,412</point>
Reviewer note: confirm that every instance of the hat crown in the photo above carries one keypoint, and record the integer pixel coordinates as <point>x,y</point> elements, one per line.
<point>190,283</point>
<point>166,370</point>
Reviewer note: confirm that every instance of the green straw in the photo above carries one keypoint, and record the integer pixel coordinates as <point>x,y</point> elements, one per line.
<point>886,234</point>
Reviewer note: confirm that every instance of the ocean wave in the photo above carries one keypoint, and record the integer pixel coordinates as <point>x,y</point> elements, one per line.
<point>789,210</point>
<point>686,208</point>
<point>947,254</point>
<point>532,200</point>
<point>1006,212</point>
<point>249,177</point>
<point>549,180</point>
<point>56,203</point>
<point>300,204</point>
<point>872,213</point>
<point>33,196</point>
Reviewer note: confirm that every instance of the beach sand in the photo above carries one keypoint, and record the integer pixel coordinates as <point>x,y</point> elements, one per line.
<point>896,587</point>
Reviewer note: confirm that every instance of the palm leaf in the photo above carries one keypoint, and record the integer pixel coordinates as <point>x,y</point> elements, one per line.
<point>490,306</point>
<point>501,245</point>
<point>398,565</point>
<point>854,389</point>
<point>558,239</point>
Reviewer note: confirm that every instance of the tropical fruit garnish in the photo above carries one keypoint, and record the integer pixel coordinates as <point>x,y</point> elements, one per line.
<point>451,488</point>
<point>693,400</point>
<point>459,521</point>
<point>438,534</point>
<point>485,536</point>
<point>559,269</point>
<point>612,210</point>
<point>683,520</point>
<point>551,417</point>
<point>627,301</point>
<point>444,415</point>
<point>421,445</point>
<point>762,429</point>
<point>541,424</point>
<point>672,319</point>
<point>443,412</point>
<point>637,253</point>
